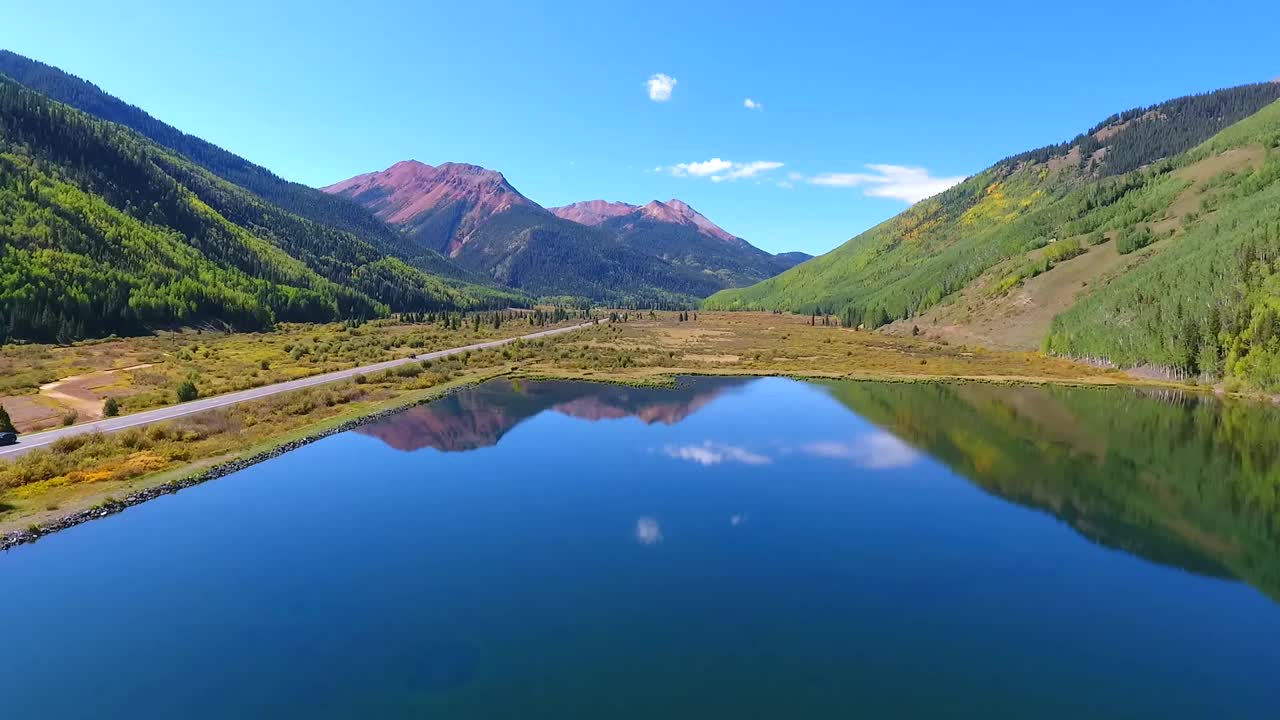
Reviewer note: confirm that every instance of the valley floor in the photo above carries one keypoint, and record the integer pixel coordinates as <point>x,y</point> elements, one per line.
<point>85,470</point>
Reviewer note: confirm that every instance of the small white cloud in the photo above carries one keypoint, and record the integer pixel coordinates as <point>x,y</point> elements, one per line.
<point>752,104</point>
<point>738,519</point>
<point>648,531</point>
<point>660,87</point>
<point>701,169</point>
<point>908,184</point>
<point>874,451</point>
<point>713,453</point>
<point>719,170</point>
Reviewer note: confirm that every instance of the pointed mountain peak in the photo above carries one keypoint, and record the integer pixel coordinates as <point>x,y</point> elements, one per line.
<point>409,188</point>
<point>593,212</point>
<point>681,213</point>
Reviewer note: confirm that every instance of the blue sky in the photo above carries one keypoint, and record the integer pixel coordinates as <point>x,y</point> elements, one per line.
<point>558,98</point>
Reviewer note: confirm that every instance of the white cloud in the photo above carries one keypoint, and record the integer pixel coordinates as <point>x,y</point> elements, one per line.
<point>648,531</point>
<point>660,87</point>
<point>713,453</point>
<point>719,170</point>
<point>908,184</point>
<point>701,169</point>
<point>752,104</point>
<point>874,451</point>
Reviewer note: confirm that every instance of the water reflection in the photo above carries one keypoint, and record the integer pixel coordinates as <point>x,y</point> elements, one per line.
<point>759,548</point>
<point>1182,480</point>
<point>710,452</point>
<point>648,531</point>
<point>480,416</point>
<point>873,451</point>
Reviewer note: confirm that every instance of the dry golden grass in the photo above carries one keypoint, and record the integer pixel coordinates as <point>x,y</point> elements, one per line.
<point>217,362</point>
<point>769,344</point>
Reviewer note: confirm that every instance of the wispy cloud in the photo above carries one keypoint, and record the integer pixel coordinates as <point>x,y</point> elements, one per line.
<point>660,87</point>
<point>874,451</point>
<point>719,170</point>
<point>908,184</point>
<point>714,453</point>
<point>752,104</point>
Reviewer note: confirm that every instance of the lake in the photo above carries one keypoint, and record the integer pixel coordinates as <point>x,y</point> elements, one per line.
<point>737,548</point>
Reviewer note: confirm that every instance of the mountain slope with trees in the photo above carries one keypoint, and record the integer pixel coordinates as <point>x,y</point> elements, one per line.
<point>335,213</point>
<point>1189,244</point>
<point>106,232</point>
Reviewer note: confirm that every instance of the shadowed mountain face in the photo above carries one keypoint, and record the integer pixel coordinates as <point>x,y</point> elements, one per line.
<point>478,417</point>
<point>677,233</point>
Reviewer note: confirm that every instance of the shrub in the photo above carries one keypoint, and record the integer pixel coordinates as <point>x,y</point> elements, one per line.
<point>110,407</point>
<point>1131,240</point>
<point>69,418</point>
<point>187,391</point>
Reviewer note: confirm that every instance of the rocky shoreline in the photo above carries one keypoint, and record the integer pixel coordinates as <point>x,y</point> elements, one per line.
<point>111,507</point>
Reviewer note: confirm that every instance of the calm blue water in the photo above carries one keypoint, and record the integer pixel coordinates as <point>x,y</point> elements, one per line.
<point>735,548</point>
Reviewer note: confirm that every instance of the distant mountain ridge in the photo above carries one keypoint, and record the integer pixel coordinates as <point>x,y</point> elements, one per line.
<point>610,251</point>
<point>593,212</point>
<point>673,211</point>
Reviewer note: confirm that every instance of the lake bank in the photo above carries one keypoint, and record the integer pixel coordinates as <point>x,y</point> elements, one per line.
<point>639,352</point>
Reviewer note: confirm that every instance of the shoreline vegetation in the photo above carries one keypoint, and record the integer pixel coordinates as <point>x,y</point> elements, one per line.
<point>92,475</point>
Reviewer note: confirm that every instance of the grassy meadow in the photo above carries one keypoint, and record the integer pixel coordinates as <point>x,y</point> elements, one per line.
<point>142,373</point>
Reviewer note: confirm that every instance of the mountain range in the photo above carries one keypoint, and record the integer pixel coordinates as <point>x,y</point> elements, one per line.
<point>1151,239</point>
<point>115,222</point>
<point>474,216</point>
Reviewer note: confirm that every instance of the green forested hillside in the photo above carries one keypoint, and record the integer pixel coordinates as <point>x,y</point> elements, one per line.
<point>1073,196</point>
<point>1209,302</point>
<point>104,231</point>
<point>530,249</point>
<point>306,202</point>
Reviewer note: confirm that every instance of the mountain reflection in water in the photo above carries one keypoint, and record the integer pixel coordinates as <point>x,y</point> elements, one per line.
<point>478,417</point>
<point>1183,480</point>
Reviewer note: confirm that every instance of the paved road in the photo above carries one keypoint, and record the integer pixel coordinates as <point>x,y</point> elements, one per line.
<point>27,443</point>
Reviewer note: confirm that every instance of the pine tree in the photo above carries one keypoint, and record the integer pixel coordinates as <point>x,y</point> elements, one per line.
<point>6,425</point>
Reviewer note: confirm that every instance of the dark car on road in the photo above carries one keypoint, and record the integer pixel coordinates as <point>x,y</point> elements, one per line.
<point>8,438</point>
